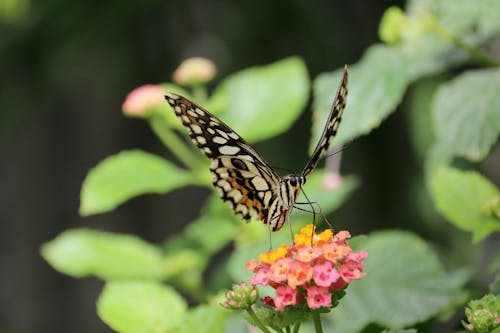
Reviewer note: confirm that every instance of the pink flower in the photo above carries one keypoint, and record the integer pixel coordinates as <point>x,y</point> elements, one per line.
<point>308,253</point>
<point>351,268</point>
<point>299,274</point>
<point>143,98</point>
<point>279,270</point>
<point>325,274</point>
<point>318,297</point>
<point>252,265</point>
<point>341,236</point>
<point>285,295</point>
<point>333,252</point>
<point>261,277</point>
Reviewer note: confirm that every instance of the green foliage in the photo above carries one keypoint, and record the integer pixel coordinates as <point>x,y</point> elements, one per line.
<point>466,115</point>
<point>121,177</point>
<point>141,307</point>
<point>83,252</point>
<point>405,284</point>
<point>376,86</point>
<point>204,319</point>
<point>465,199</point>
<point>257,96</point>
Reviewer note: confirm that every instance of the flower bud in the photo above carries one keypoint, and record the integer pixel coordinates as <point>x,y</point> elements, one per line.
<point>194,71</point>
<point>241,297</point>
<point>483,315</point>
<point>142,99</point>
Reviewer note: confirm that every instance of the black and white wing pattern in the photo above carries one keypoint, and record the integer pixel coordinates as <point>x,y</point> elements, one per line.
<point>242,178</point>
<point>331,126</point>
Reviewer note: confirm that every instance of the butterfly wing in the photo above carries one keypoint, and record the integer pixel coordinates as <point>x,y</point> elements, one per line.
<point>331,125</point>
<point>241,176</point>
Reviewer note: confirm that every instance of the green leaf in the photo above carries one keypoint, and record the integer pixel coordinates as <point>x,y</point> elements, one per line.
<point>83,252</point>
<point>376,86</point>
<point>431,51</point>
<point>400,331</point>
<point>466,113</point>
<point>465,198</point>
<point>128,174</point>
<point>404,284</point>
<point>204,319</point>
<point>262,102</point>
<point>141,307</point>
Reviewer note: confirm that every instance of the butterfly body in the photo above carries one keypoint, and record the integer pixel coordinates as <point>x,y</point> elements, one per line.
<point>242,178</point>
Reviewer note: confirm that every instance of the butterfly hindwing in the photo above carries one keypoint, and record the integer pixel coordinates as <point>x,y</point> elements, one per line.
<point>243,186</point>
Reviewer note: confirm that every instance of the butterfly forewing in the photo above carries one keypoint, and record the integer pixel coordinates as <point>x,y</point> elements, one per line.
<point>242,178</point>
<point>331,126</point>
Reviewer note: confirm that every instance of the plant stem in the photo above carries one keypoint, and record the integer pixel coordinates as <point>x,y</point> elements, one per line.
<point>199,93</point>
<point>296,328</point>
<point>257,320</point>
<point>287,329</point>
<point>317,322</point>
<point>473,52</point>
<point>172,142</point>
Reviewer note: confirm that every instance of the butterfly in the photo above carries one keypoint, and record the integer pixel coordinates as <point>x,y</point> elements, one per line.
<point>242,178</point>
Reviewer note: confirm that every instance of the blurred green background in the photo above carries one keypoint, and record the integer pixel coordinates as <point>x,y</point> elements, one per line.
<point>66,67</point>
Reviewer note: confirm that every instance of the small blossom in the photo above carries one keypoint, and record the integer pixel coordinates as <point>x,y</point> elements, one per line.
<point>325,274</point>
<point>341,236</point>
<point>308,253</point>
<point>285,296</point>
<point>279,270</point>
<point>252,265</point>
<point>318,297</point>
<point>142,99</point>
<point>326,235</point>
<point>299,274</point>
<point>268,301</point>
<point>261,277</point>
<point>193,71</point>
<point>351,268</point>
<point>271,256</point>
<point>334,252</point>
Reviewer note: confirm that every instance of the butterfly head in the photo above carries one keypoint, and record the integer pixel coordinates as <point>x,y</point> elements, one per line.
<point>295,181</point>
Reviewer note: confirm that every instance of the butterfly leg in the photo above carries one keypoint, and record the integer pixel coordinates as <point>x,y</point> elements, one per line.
<point>320,211</point>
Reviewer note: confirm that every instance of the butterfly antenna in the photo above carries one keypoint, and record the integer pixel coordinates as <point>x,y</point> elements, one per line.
<point>347,145</point>
<point>282,169</point>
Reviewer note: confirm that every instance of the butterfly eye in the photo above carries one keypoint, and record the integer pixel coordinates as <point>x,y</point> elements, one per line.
<point>293,181</point>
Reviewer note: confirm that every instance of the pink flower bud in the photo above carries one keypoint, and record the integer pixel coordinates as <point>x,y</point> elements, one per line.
<point>193,71</point>
<point>140,100</point>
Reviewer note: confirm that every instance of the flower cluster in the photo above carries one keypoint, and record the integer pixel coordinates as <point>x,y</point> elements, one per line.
<point>310,270</point>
